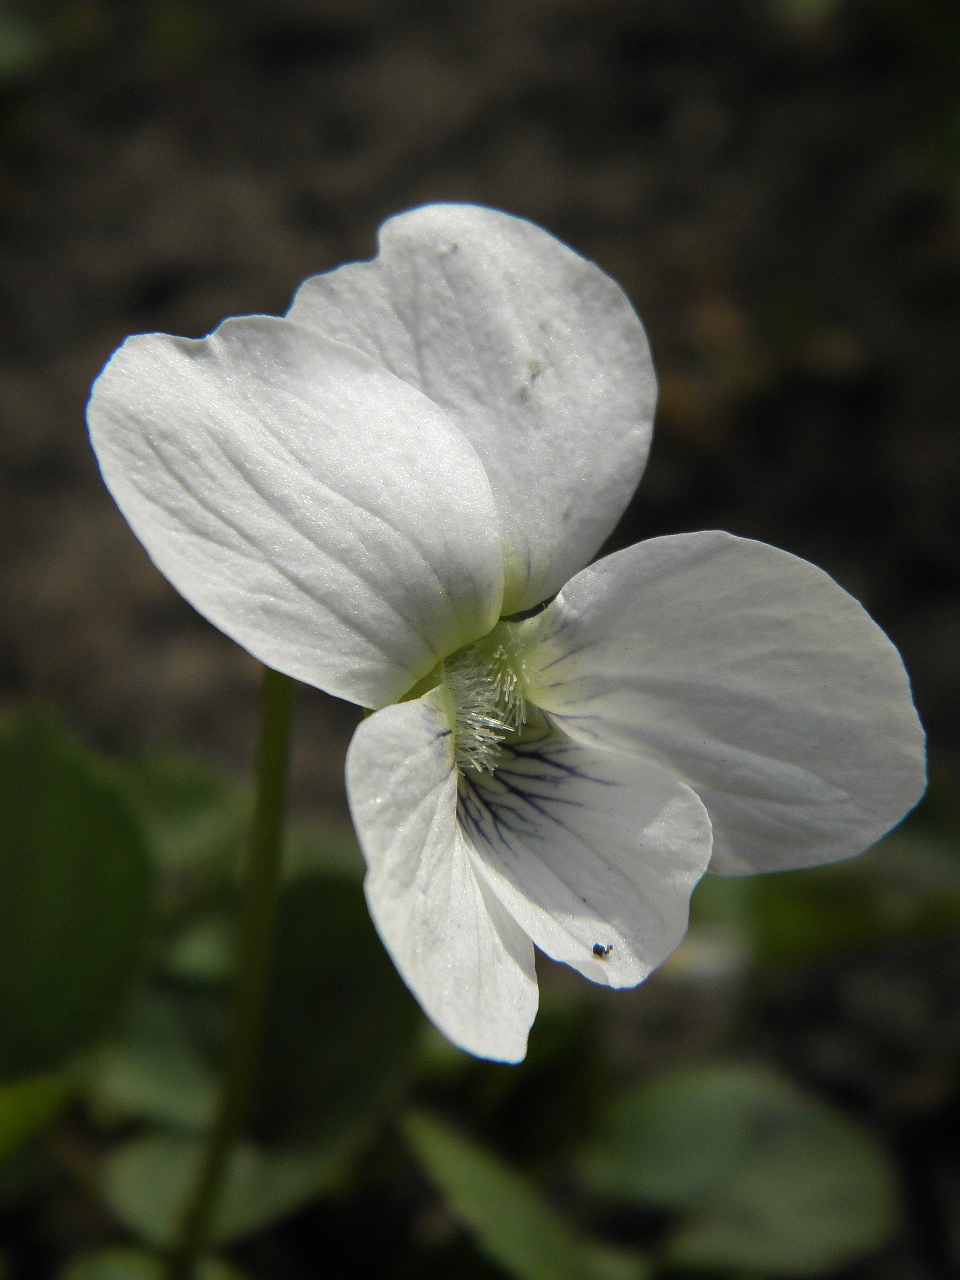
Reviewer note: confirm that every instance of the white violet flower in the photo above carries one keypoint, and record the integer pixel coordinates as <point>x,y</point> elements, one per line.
<point>370,493</point>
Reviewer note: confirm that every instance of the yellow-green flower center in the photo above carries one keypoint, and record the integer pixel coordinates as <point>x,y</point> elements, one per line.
<point>486,682</point>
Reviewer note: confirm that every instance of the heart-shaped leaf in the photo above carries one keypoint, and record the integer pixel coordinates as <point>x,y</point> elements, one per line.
<point>767,1177</point>
<point>147,1182</point>
<point>341,1028</point>
<point>75,897</point>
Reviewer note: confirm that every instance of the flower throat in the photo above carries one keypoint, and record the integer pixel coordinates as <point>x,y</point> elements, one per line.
<point>485,680</point>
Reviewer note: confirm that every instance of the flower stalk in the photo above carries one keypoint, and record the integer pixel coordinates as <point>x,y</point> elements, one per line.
<point>254,954</point>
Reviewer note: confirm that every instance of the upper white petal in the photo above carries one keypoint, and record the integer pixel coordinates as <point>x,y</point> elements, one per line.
<point>322,512</point>
<point>534,353</point>
<point>589,849</point>
<point>755,677</point>
<point>467,962</point>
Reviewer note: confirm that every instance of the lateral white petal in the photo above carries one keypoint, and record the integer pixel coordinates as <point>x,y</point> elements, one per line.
<point>323,513</point>
<point>534,353</point>
<point>594,853</point>
<point>467,962</point>
<point>755,677</point>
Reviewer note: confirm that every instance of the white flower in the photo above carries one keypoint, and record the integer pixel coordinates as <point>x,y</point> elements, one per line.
<point>367,492</point>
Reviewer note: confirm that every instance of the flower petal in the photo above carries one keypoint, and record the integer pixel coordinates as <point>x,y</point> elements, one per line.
<point>534,353</point>
<point>470,966</point>
<point>755,677</point>
<point>321,512</point>
<point>593,853</point>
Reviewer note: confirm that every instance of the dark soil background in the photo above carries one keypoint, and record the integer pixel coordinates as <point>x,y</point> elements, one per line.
<point>773,196</point>
<point>775,185</point>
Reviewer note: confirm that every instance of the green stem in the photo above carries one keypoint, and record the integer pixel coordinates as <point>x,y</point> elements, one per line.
<point>254,952</point>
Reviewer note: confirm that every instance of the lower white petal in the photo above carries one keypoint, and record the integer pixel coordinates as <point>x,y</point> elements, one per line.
<point>755,677</point>
<point>467,962</point>
<point>594,853</point>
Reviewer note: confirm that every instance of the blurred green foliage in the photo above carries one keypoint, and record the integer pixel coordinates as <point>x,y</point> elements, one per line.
<point>766,1178</point>
<point>132,1264</point>
<point>341,1027</point>
<point>194,816</point>
<point>75,897</point>
<point>515,1226</point>
<point>908,885</point>
<point>29,1105</point>
<point>147,1180</point>
<point>172,34</point>
<point>117,918</point>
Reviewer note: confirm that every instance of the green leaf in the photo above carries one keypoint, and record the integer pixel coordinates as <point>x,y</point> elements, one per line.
<point>512,1223</point>
<point>770,1178</point>
<point>339,1040</point>
<point>115,1264</point>
<point>341,1029</point>
<point>158,1071</point>
<point>315,848</point>
<point>334,999</point>
<point>29,1106</point>
<point>75,897</point>
<point>146,1183</point>
<point>908,885</point>
<point>202,952</point>
<point>195,815</point>
<point>133,1264</point>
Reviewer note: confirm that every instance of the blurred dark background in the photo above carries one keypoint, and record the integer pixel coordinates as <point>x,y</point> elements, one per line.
<point>776,184</point>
